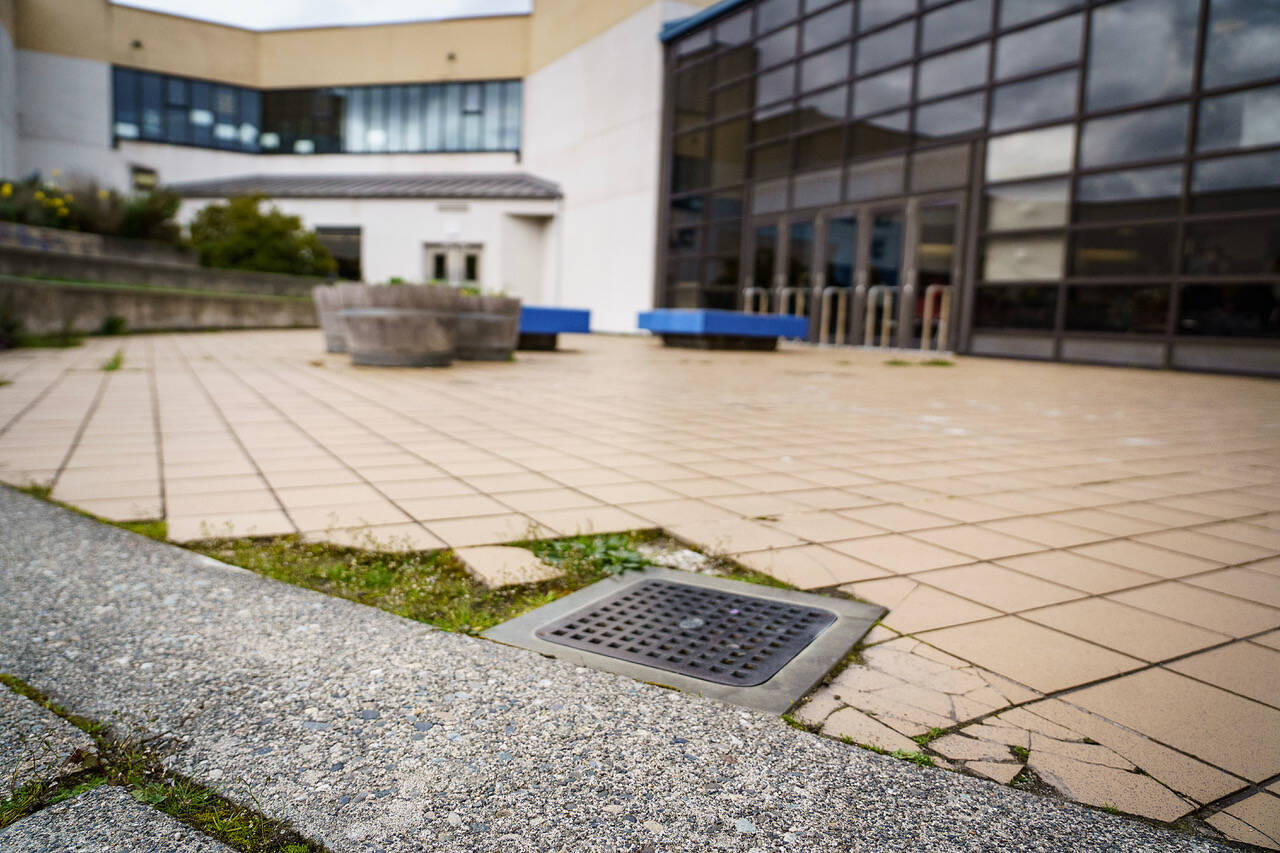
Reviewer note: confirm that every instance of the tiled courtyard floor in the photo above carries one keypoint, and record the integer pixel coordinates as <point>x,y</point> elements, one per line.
<point>1082,565</point>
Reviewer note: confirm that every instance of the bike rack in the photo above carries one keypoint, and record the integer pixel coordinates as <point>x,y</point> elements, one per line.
<point>839,298</point>
<point>756,300</point>
<point>944,316</point>
<point>786,302</point>
<point>886,315</point>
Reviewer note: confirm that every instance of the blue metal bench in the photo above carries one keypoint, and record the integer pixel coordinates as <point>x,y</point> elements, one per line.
<point>709,328</point>
<point>539,325</point>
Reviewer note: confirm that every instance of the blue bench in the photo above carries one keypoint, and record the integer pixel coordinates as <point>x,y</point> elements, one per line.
<point>708,328</point>
<point>539,325</point>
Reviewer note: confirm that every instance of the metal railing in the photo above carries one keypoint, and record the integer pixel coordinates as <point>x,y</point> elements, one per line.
<point>944,317</point>
<point>833,299</point>
<point>755,300</point>
<point>886,315</point>
<point>793,301</point>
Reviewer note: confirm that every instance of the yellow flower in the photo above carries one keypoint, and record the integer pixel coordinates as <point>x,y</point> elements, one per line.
<point>55,172</point>
<point>39,195</point>
<point>62,211</point>
<point>69,197</point>
<point>104,194</point>
<point>6,189</point>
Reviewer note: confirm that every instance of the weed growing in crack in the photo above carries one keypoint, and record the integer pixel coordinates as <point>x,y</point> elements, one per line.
<point>115,362</point>
<point>1021,753</point>
<point>914,757</point>
<point>929,736</point>
<point>138,765</point>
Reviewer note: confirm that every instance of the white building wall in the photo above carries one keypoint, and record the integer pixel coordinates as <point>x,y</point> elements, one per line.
<point>592,123</point>
<point>64,117</point>
<point>8,105</point>
<point>393,233</point>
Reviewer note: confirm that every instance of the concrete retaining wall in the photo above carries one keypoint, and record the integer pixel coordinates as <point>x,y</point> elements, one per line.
<point>35,263</point>
<point>68,242</point>
<point>46,307</point>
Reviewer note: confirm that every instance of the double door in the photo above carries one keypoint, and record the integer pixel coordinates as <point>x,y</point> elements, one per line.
<point>870,275</point>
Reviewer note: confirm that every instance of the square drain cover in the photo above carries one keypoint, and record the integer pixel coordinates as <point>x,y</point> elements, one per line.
<point>704,633</point>
<point>738,642</point>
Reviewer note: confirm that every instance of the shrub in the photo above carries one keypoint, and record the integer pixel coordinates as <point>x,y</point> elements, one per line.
<point>240,235</point>
<point>85,206</point>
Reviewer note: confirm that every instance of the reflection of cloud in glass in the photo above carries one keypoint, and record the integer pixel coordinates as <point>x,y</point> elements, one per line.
<point>882,92</point>
<point>1158,182</point>
<point>1144,135</point>
<point>1141,50</point>
<point>1049,44</point>
<point>949,117</point>
<point>886,47</point>
<point>1228,173</point>
<point>1242,119</point>
<point>954,71</point>
<point>1035,152</point>
<point>1041,99</point>
<point>1244,41</point>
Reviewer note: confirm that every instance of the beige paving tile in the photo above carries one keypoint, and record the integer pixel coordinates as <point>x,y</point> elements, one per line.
<point>1213,548</point>
<point>807,566</point>
<point>545,499</point>
<point>899,553</point>
<point>1146,558</point>
<point>123,509</point>
<point>701,487</point>
<point>1045,531</point>
<point>1108,787</point>
<point>1245,583</point>
<point>1204,721</point>
<point>601,519</point>
<point>977,542</point>
<point>366,513</point>
<point>1205,608</point>
<point>757,506</point>
<point>733,537</point>
<point>617,493</point>
<point>396,538</point>
<point>328,476</point>
<point>1166,516</point>
<point>1076,571</point>
<point>1252,534</point>
<point>1271,640</point>
<point>1112,523</point>
<point>680,511</point>
<point>1036,656</point>
<point>488,530</point>
<point>960,509</point>
<point>190,528</point>
<point>997,587</point>
<point>435,487</point>
<point>213,485</point>
<point>310,496</point>
<point>217,503</point>
<point>822,526</point>
<point>1207,506</point>
<point>1237,830</point>
<point>887,591</point>
<point>500,565</point>
<point>1271,567</point>
<point>508,481</point>
<point>452,506</point>
<point>925,608</point>
<point>1185,775</point>
<point>862,729</point>
<point>1261,812</point>
<point>1126,629</point>
<point>897,518</point>
<point>828,498</point>
<point>72,490</point>
<point>1243,668</point>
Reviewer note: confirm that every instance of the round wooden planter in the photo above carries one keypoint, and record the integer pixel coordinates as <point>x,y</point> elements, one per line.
<point>400,325</point>
<point>328,306</point>
<point>488,327</point>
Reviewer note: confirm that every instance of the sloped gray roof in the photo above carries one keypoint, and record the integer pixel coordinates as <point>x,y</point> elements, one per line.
<point>512,185</point>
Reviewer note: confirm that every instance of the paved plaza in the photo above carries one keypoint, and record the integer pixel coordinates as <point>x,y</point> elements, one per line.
<point>1081,565</point>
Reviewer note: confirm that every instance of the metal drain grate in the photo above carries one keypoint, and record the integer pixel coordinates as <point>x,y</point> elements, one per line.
<point>692,630</point>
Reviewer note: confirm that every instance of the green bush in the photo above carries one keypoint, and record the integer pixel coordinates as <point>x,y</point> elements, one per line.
<point>240,235</point>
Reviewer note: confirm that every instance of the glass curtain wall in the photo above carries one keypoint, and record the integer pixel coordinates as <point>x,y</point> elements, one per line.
<point>1127,152</point>
<point>422,118</point>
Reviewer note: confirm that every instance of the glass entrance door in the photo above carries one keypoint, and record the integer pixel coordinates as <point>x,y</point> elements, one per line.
<point>936,273</point>
<point>884,274</point>
<point>757,294</point>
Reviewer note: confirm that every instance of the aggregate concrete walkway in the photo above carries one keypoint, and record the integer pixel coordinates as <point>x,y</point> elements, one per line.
<point>370,732</point>
<point>36,744</point>
<point>104,820</point>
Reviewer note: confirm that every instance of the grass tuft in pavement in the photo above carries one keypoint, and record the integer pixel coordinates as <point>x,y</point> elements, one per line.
<point>137,766</point>
<point>115,362</point>
<point>427,586</point>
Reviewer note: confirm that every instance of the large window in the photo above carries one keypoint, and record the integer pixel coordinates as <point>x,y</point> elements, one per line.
<point>428,117</point>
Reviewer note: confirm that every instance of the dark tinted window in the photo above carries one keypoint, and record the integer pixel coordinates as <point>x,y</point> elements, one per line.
<point>822,109</point>
<point>819,150</point>
<point>1123,251</point>
<point>1140,50</point>
<point>1230,310</point>
<point>882,92</point>
<point>775,13</point>
<point>952,117</point>
<point>1243,182</point>
<point>1142,135</point>
<point>728,152</point>
<point>824,68</point>
<point>886,47</point>
<point>1107,308</point>
<point>1054,43</point>
<point>1033,101</point>
<point>1015,307</point>
<point>958,22</point>
<point>951,72</point>
<point>1017,11</point>
<point>1240,120</point>
<point>827,28</point>
<point>1238,247</point>
<point>879,135</point>
<point>873,13</point>
<point>1131,194</point>
<point>1243,41</point>
<point>775,85</point>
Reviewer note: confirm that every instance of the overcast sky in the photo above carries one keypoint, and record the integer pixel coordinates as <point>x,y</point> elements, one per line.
<point>274,14</point>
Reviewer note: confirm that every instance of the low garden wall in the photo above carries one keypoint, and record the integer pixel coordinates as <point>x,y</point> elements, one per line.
<point>38,263</point>
<point>42,239</point>
<point>52,307</point>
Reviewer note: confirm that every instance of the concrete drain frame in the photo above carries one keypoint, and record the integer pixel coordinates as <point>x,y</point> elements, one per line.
<point>782,619</point>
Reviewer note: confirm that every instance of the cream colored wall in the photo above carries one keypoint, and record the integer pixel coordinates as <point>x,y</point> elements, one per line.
<point>8,93</point>
<point>182,46</point>
<point>482,49</point>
